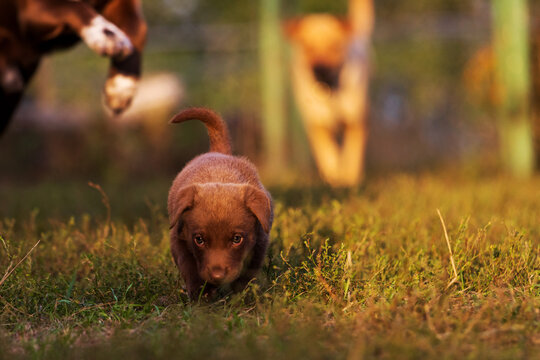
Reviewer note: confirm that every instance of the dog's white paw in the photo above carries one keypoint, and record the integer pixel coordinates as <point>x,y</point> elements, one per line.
<point>119,92</point>
<point>106,39</point>
<point>11,80</point>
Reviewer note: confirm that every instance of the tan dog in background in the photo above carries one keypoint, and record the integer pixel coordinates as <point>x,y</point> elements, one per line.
<point>220,214</point>
<point>330,82</point>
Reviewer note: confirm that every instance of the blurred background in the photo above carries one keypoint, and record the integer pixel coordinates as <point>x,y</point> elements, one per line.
<point>430,104</point>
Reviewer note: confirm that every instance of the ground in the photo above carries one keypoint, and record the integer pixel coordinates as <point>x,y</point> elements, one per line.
<point>350,274</point>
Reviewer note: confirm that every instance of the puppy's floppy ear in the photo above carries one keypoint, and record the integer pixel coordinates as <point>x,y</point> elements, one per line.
<point>259,203</point>
<point>184,200</point>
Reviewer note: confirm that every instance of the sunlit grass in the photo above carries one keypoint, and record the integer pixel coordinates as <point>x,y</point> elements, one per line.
<point>350,274</point>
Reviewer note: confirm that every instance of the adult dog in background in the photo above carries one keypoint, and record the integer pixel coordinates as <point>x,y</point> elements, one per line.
<point>29,29</point>
<point>330,83</point>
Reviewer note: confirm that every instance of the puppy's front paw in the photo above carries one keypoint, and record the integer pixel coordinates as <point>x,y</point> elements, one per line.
<point>106,39</point>
<point>11,80</point>
<point>119,92</point>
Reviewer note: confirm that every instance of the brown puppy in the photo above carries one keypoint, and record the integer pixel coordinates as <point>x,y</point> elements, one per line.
<point>330,83</point>
<point>220,214</point>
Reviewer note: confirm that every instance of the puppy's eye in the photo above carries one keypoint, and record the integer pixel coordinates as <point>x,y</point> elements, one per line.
<point>237,239</point>
<point>198,239</point>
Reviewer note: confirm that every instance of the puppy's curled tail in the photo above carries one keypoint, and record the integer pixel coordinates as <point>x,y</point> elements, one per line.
<point>216,127</point>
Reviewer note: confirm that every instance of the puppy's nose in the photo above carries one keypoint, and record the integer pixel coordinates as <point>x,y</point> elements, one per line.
<point>218,273</point>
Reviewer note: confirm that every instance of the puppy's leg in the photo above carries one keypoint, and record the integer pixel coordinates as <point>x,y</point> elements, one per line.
<point>124,73</point>
<point>186,265</point>
<point>254,265</point>
<point>48,18</point>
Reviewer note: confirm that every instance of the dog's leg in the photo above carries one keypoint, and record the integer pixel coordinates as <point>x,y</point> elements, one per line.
<point>188,269</point>
<point>315,105</point>
<point>48,18</point>
<point>10,99</point>
<point>11,80</point>
<point>124,73</point>
<point>353,154</point>
<point>326,152</point>
<point>351,162</point>
<point>255,263</point>
<point>8,104</point>
<point>186,265</point>
<point>352,102</point>
<point>106,39</point>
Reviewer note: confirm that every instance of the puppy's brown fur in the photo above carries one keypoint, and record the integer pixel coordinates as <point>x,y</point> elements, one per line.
<point>330,82</point>
<point>220,214</point>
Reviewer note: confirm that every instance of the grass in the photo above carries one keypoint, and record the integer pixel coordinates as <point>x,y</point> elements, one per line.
<point>350,275</point>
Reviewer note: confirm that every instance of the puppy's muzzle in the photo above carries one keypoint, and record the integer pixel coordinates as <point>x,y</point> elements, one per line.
<point>217,274</point>
<point>328,75</point>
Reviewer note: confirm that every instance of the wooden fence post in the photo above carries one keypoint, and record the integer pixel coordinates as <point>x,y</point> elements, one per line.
<point>272,87</point>
<point>512,71</point>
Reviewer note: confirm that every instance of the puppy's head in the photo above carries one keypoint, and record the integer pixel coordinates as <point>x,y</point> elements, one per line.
<point>220,224</point>
<point>323,40</point>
